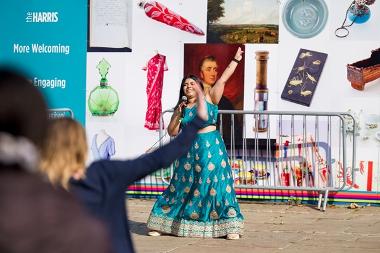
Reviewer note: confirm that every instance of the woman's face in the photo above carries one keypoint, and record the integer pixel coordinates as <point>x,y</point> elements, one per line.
<point>209,72</point>
<point>188,88</point>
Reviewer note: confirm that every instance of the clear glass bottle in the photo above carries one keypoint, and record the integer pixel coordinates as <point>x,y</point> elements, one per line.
<point>103,100</point>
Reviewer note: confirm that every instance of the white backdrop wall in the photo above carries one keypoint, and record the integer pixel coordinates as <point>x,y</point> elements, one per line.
<point>128,78</point>
<point>333,93</point>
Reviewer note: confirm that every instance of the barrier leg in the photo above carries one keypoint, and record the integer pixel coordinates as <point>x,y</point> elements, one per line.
<point>325,200</point>
<point>319,200</point>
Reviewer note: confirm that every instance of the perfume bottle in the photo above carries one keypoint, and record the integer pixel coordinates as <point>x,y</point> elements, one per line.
<point>261,91</point>
<point>359,13</point>
<point>103,100</point>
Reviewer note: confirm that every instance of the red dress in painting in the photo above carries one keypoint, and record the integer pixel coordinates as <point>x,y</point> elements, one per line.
<point>155,77</point>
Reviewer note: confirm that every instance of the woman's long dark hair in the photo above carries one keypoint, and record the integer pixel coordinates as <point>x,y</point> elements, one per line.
<point>181,92</point>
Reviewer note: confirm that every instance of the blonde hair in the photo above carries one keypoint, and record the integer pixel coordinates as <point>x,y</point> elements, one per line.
<point>65,151</point>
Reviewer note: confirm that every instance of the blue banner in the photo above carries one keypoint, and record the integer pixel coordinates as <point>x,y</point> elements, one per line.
<point>48,40</point>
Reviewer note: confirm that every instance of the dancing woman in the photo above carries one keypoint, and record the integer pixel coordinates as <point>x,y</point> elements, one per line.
<point>200,200</point>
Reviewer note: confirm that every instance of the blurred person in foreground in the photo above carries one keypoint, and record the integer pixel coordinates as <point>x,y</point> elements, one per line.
<point>35,217</point>
<point>101,186</point>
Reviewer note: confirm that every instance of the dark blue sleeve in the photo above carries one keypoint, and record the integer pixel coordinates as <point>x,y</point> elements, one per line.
<point>126,172</point>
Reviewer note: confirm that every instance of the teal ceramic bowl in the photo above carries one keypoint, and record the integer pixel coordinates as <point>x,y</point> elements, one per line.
<point>305,18</point>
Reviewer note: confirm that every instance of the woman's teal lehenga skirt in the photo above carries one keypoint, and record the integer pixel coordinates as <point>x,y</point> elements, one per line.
<point>200,200</point>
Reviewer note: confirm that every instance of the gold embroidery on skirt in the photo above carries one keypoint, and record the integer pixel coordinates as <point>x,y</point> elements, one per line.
<point>165,209</point>
<point>212,192</point>
<point>194,215</point>
<point>196,193</point>
<point>214,215</point>
<point>228,188</point>
<point>187,166</point>
<point>194,228</point>
<point>231,212</point>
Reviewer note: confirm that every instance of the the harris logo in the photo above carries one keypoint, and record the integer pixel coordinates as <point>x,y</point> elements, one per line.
<point>41,17</point>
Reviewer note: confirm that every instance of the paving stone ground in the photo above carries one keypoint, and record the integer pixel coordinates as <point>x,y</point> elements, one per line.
<point>272,228</point>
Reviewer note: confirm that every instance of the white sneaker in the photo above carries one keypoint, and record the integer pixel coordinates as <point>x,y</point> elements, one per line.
<point>154,233</point>
<point>233,237</point>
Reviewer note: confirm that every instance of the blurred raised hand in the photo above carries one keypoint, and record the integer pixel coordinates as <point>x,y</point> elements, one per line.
<point>201,101</point>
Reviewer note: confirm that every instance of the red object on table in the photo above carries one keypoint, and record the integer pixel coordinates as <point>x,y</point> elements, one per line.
<point>285,178</point>
<point>369,176</point>
<point>162,14</point>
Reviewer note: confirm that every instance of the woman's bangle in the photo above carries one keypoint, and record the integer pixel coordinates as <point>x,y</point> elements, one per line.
<point>237,61</point>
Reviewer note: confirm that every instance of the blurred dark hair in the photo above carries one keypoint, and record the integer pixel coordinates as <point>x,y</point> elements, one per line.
<point>181,92</point>
<point>23,111</point>
<point>35,218</point>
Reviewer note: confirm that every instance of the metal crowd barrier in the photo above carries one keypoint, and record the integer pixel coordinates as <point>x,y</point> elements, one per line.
<point>305,151</point>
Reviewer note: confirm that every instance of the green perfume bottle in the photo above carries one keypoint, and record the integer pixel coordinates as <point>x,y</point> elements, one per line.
<point>103,100</point>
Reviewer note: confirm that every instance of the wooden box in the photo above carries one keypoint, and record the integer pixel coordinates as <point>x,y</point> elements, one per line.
<point>364,71</point>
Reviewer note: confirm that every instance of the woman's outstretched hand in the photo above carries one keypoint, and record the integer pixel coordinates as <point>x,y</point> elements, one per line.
<point>239,54</point>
